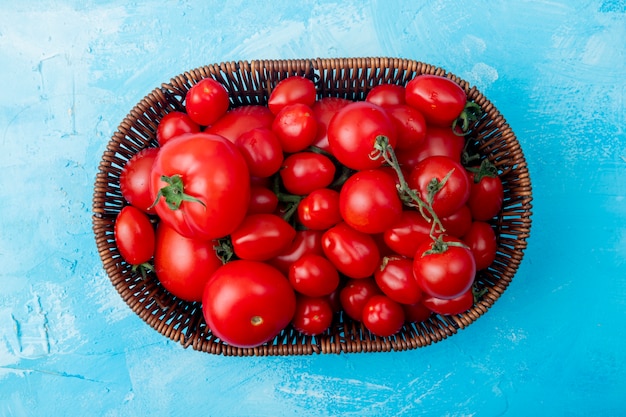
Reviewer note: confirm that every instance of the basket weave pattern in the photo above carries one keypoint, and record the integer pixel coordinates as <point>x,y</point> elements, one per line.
<point>251,83</point>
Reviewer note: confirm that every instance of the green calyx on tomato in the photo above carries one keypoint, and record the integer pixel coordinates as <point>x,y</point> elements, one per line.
<point>440,246</point>
<point>486,169</point>
<point>174,193</point>
<point>470,114</point>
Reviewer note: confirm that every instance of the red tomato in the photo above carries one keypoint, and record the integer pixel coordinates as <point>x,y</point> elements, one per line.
<point>247,303</point>
<point>382,316</point>
<point>262,151</point>
<point>206,101</point>
<point>444,268</point>
<point>295,127</point>
<point>306,241</point>
<point>355,293</point>
<point>385,95</point>
<point>427,178</point>
<point>406,235</point>
<point>395,279</point>
<point>184,265</point>
<point>410,126</point>
<point>320,209</point>
<point>440,141</point>
<point>439,99</point>
<point>262,200</point>
<point>369,201</point>
<point>135,179</point>
<point>355,254</point>
<point>486,192</point>
<point>134,235</point>
<point>241,119</point>
<point>458,223</point>
<point>456,305</point>
<point>202,185</point>
<point>415,313</point>
<point>260,237</point>
<point>313,275</point>
<point>324,110</point>
<point>174,124</point>
<point>313,315</point>
<point>291,90</point>
<point>481,240</point>
<point>352,134</point>
<point>304,172</point>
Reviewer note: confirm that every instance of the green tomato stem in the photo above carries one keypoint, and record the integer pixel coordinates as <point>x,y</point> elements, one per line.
<point>174,193</point>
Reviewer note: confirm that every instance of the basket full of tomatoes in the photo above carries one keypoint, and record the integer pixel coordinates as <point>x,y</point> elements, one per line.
<point>289,207</point>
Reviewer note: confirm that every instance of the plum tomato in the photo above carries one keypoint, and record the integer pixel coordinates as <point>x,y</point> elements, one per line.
<point>206,101</point>
<point>304,172</point>
<point>354,294</point>
<point>410,126</point>
<point>440,141</point>
<point>292,90</point>
<point>320,209</point>
<point>241,119</point>
<point>295,127</point>
<point>438,98</point>
<point>481,239</point>
<point>395,279</point>
<point>313,275</point>
<point>313,315</point>
<point>135,179</point>
<point>324,110</point>
<point>382,316</point>
<point>306,241</point>
<point>262,200</point>
<point>416,313</point>
<point>174,124</point>
<point>406,235</point>
<point>456,305</point>
<point>262,151</point>
<point>458,223</point>
<point>385,95</point>
<point>486,192</point>
<point>354,254</point>
<point>262,236</point>
<point>134,235</point>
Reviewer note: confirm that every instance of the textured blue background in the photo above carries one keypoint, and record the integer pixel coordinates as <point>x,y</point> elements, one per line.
<point>553,345</point>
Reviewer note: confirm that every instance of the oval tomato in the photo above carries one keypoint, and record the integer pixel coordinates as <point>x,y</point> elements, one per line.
<point>439,99</point>
<point>184,265</point>
<point>134,235</point>
<point>304,172</point>
<point>313,315</point>
<point>295,127</point>
<point>382,316</point>
<point>135,179</point>
<point>291,90</point>
<point>385,95</point>
<point>247,303</point>
<point>481,240</point>
<point>395,279</point>
<point>410,126</point>
<point>458,223</point>
<point>262,200</point>
<point>313,275</point>
<point>306,241</point>
<point>355,293</point>
<point>486,192</point>
<point>174,124</point>
<point>240,120</point>
<point>201,185</point>
<point>206,101</point>
<point>456,305</point>
<point>355,254</point>
<point>440,141</point>
<point>320,209</point>
<point>406,235</point>
<point>324,110</point>
<point>262,151</point>
<point>262,236</point>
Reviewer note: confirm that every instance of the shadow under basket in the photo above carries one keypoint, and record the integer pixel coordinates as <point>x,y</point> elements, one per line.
<point>251,83</point>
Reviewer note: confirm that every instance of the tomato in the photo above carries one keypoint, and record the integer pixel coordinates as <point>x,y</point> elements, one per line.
<point>305,241</point>
<point>320,209</point>
<point>369,201</point>
<point>355,254</point>
<point>440,141</point>
<point>201,185</point>
<point>313,315</point>
<point>174,124</point>
<point>395,279</point>
<point>382,316</point>
<point>291,90</point>
<point>406,235</point>
<point>206,101</point>
<point>295,127</point>
<point>262,200</point>
<point>355,293</point>
<point>415,313</point>
<point>304,172</point>
<point>247,303</point>
<point>262,151</point>
<point>324,110</point>
<point>439,99</point>
<point>241,119</point>
<point>458,223</point>
<point>410,126</point>
<point>456,305</point>
<point>184,265</point>
<point>385,95</point>
<point>481,240</point>
<point>486,192</point>
<point>352,134</point>
<point>313,275</point>
<point>260,237</point>
<point>444,268</point>
<point>428,179</point>
<point>134,235</point>
<point>135,179</point>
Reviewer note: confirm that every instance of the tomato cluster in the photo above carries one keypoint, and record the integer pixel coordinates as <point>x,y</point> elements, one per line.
<point>295,212</point>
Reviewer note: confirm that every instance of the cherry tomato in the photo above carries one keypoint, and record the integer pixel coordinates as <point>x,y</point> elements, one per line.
<point>202,185</point>
<point>395,279</point>
<point>382,316</point>
<point>247,303</point>
<point>481,240</point>
<point>444,268</point>
<point>135,179</point>
<point>313,315</point>
<point>486,193</point>
<point>206,101</point>
<point>408,233</point>
<point>313,275</point>
<point>306,241</point>
<point>324,110</point>
<point>439,141</point>
<point>352,134</point>
<point>369,201</point>
<point>184,265</point>
<point>456,305</point>
<point>385,95</point>
<point>355,293</point>
<point>174,124</point>
<point>320,209</point>
<point>241,119</point>
<point>260,237</point>
<point>134,235</point>
<point>439,99</point>
<point>415,313</point>
<point>262,200</point>
<point>291,90</point>
<point>295,127</point>
<point>355,254</point>
<point>458,223</point>
<point>428,179</point>
<point>262,151</point>
<point>304,172</point>
<point>410,126</point>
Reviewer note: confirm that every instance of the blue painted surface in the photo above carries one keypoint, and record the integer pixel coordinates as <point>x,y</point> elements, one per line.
<point>552,345</point>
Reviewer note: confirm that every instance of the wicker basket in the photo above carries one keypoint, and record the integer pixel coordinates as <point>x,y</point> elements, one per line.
<point>251,83</point>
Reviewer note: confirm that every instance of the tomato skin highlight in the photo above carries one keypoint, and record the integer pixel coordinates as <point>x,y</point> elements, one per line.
<point>134,235</point>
